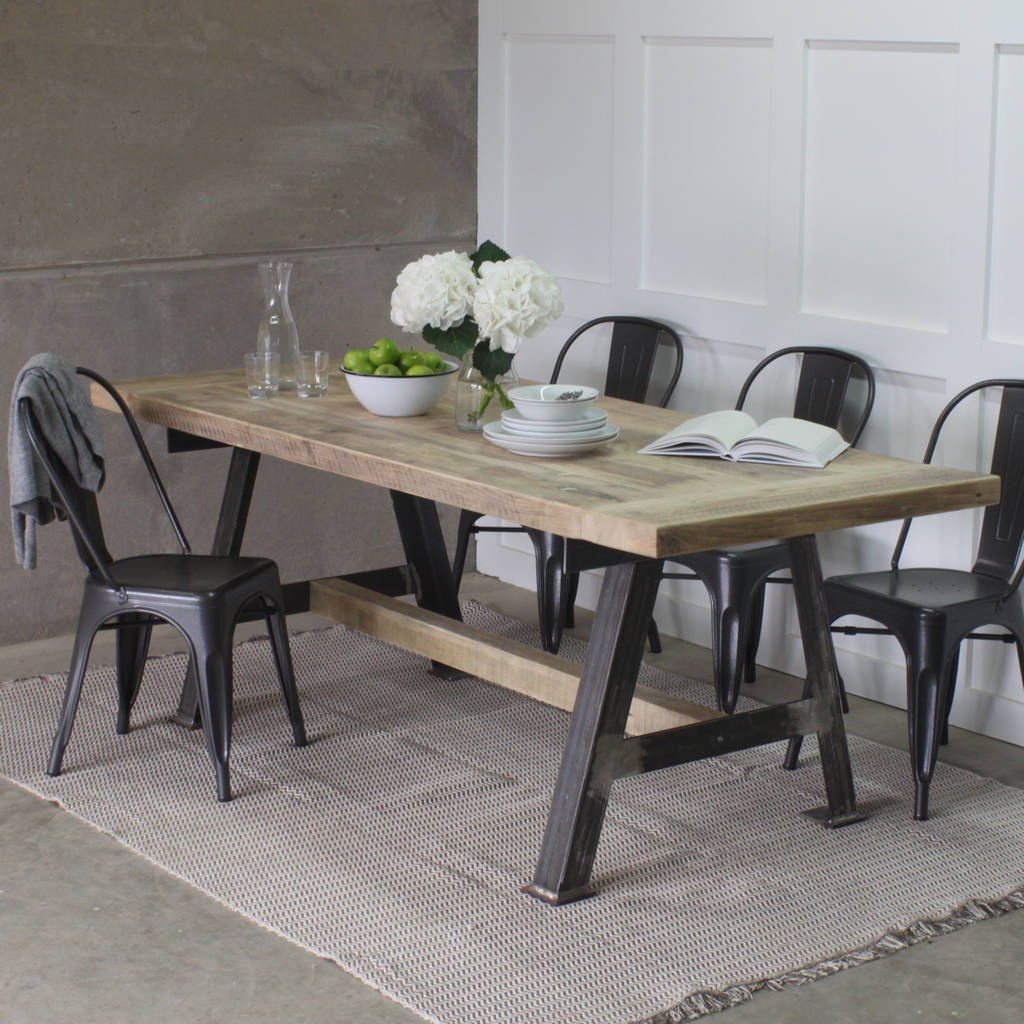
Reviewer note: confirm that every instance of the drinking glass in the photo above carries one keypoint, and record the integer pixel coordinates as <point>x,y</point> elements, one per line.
<point>311,373</point>
<point>263,373</point>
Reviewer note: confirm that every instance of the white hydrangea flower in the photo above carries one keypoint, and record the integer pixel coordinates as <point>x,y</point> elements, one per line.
<point>436,290</point>
<point>514,298</point>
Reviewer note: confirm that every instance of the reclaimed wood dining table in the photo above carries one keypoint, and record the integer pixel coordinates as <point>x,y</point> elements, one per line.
<point>620,511</point>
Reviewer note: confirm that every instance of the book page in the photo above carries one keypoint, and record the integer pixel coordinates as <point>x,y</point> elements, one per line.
<point>712,434</point>
<point>789,440</point>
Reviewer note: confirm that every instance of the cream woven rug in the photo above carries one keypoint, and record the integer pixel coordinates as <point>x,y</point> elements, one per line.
<point>396,842</point>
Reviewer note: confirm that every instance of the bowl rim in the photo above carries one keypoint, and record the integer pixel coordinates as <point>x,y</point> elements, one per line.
<point>533,394</point>
<point>452,367</point>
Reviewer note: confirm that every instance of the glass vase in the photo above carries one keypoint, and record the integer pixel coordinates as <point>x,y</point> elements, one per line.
<point>479,400</point>
<point>277,331</point>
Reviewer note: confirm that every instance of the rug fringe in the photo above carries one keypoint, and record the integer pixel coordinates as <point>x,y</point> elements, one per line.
<point>700,1004</point>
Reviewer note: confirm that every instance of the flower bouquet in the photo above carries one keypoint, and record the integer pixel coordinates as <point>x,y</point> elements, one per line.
<point>484,303</point>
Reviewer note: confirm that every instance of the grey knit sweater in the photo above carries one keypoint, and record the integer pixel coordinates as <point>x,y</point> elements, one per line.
<point>68,422</point>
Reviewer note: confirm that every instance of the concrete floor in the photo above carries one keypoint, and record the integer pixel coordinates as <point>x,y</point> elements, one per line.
<point>92,933</point>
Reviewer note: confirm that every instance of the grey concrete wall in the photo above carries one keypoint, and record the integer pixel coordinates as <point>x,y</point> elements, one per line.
<point>151,154</point>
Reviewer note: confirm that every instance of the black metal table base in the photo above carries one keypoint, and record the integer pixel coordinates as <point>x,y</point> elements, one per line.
<point>597,750</point>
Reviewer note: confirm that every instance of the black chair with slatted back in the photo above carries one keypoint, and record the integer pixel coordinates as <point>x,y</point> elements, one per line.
<point>735,578</point>
<point>635,345</point>
<point>203,596</point>
<point>932,610</point>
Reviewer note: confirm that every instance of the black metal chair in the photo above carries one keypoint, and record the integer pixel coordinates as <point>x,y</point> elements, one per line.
<point>635,344</point>
<point>931,610</point>
<point>201,595</point>
<point>735,578</point>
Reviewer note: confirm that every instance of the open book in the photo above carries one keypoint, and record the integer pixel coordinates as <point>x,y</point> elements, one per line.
<point>733,434</point>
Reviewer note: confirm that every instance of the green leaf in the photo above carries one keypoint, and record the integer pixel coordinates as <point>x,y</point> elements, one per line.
<point>492,364</point>
<point>456,341</point>
<point>488,253</point>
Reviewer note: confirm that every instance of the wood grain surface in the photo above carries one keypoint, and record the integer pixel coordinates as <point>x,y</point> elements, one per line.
<point>649,505</point>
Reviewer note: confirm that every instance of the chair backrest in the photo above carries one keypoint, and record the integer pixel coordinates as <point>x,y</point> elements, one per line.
<point>822,389</point>
<point>77,503</point>
<point>1002,526</point>
<point>635,344</point>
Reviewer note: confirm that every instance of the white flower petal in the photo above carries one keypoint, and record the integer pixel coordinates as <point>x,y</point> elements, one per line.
<point>436,290</point>
<point>514,298</point>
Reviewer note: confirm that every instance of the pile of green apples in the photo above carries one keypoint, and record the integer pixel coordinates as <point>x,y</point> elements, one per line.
<point>385,359</point>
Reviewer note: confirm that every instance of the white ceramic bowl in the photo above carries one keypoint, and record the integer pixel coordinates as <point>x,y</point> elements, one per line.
<point>400,396</point>
<point>543,401</point>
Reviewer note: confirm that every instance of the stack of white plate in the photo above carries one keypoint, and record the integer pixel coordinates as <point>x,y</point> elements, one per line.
<point>524,436</point>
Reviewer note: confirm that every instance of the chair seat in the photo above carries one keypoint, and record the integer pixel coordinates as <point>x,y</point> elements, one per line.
<point>186,574</point>
<point>929,589</point>
<point>736,551</point>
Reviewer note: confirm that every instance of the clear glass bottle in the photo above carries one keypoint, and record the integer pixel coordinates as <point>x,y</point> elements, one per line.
<point>478,400</point>
<point>277,331</point>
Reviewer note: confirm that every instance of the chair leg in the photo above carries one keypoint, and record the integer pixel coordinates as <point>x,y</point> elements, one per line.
<point>133,634</point>
<point>278,632</point>
<point>572,586</point>
<point>1020,655</point>
<point>928,685</point>
<point>467,520</point>
<point>212,641</point>
<point>733,589</point>
<point>755,616</point>
<point>549,553</point>
<point>84,635</point>
<point>653,636</point>
<point>950,691</point>
<point>729,628</point>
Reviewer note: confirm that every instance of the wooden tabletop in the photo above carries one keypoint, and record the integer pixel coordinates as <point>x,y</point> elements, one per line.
<point>649,505</point>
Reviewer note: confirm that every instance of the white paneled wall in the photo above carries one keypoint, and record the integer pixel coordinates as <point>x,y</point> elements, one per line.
<point>762,173</point>
<point>705,166</point>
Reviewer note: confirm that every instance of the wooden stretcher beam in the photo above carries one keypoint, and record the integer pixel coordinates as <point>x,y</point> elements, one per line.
<point>506,662</point>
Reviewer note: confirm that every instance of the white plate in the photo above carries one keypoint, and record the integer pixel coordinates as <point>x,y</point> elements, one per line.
<point>549,447</point>
<point>589,421</point>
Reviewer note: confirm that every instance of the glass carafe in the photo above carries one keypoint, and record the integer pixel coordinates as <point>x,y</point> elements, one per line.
<point>277,331</point>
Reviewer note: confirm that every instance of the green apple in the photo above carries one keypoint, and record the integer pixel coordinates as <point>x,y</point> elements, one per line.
<point>409,359</point>
<point>353,357</point>
<point>361,366</point>
<point>383,351</point>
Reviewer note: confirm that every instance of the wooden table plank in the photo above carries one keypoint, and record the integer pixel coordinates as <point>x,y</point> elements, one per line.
<point>648,505</point>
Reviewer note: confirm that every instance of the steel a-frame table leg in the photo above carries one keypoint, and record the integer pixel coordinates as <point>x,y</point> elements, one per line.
<point>823,685</point>
<point>591,760</point>
<point>597,750</point>
<point>426,552</point>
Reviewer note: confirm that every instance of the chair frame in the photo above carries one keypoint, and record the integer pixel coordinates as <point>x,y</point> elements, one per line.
<point>114,598</point>
<point>930,636</point>
<point>735,578</point>
<point>630,366</point>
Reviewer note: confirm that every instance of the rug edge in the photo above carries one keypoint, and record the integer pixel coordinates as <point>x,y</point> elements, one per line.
<point>972,911</point>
